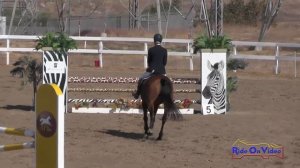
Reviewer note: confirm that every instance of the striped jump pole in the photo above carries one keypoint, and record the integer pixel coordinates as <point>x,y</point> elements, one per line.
<point>49,137</point>
<point>18,132</point>
<point>10,147</point>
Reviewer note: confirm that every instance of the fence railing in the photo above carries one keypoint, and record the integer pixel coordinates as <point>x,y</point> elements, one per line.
<point>187,52</point>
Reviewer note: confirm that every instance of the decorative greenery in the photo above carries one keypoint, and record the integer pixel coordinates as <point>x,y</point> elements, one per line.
<point>214,42</point>
<point>30,70</point>
<point>57,41</point>
<point>186,103</point>
<point>231,84</point>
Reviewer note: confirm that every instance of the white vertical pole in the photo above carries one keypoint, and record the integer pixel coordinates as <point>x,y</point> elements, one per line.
<point>295,64</point>
<point>234,50</point>
<point>7,53</point>
<point>277,60</point>
<point>60,132</point>
<point>191,58</point>
<point>100,54</point>
<point>145,56</point>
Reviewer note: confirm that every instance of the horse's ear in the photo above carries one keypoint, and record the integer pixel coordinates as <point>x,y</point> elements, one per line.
<point>221,66</point>
<point>209,66</point>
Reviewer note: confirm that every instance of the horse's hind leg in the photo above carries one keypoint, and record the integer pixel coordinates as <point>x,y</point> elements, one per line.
<point>146,128</point>
<point>164,119</point>
<point>152,117</point>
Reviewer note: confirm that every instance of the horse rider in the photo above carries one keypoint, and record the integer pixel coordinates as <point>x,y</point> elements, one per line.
<point>156,60</point>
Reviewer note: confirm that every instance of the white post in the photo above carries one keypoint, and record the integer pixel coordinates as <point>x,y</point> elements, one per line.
<point>100,54</point>
<point>145,56</point>
<point>295,64</point>
<point>277,60</point>
<point>7,53</point>
<point>234,50</point>
<point>191,57</point>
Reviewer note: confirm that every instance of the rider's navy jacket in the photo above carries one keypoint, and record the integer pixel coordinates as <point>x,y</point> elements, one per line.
<point>157,59</point>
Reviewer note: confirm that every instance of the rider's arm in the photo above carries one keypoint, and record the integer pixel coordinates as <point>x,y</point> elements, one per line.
<point>165,59</point>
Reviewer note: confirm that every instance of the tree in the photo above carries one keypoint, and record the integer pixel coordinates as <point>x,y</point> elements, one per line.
<point>270,13</point>
<point>30,70</point>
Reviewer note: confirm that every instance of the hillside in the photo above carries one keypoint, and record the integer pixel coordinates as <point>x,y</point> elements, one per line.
<point>91,17</point>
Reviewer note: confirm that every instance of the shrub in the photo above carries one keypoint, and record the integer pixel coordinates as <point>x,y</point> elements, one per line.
<point>234,64</point>
<point>214,42</point>
<point>57,41</point>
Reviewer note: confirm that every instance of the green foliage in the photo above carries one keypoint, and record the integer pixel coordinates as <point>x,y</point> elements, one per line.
<point>29,69</point>
<point>231,84</point>
<point>57,41</point>
<point>234,64</point>
<point>214,42</point>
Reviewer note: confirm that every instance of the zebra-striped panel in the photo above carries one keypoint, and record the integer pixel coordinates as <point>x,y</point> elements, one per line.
<point>213,82</point>
<point>61,79</point>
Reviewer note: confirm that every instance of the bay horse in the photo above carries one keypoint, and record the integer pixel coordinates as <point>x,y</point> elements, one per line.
<point>156,90</point>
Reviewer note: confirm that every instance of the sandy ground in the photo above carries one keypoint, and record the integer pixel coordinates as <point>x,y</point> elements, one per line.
<point>265,108</point>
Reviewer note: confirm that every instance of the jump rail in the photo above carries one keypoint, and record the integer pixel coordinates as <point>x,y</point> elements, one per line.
<point>100,50</point>
<point>10,147</point>
<point>18,132</point>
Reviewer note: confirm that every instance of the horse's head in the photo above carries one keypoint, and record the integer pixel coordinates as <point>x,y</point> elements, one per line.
<point>214,79</point>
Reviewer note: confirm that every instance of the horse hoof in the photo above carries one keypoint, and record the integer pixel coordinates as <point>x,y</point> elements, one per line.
<point>146,136</point>
<point>158,138</point>
<point>149,133</point>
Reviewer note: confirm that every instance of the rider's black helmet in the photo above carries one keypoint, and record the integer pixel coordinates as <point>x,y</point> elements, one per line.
<point>157,38</point>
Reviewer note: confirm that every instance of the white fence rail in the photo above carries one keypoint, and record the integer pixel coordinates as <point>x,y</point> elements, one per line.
<point>100,49</point>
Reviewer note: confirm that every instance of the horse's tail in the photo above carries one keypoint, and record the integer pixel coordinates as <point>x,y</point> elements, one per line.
<point>170,107</point>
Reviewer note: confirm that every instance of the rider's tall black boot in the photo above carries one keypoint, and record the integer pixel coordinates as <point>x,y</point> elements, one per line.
<point>138,91</point>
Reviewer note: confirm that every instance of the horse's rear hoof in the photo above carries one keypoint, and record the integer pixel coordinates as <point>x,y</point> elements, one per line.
<point>149,133</point>
<point>158,138</point>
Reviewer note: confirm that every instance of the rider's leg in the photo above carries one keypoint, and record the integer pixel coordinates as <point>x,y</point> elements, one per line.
<point>138,91</point>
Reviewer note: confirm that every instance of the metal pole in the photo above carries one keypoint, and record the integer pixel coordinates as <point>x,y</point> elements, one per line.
<point>1,5</point>
<point>158,16</point>
<point>148,22</point>
<point>12,16</point>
